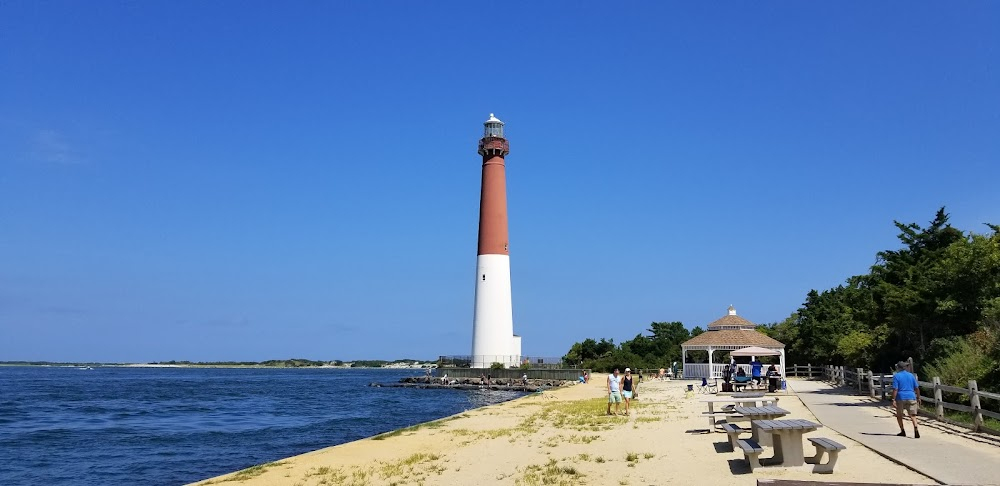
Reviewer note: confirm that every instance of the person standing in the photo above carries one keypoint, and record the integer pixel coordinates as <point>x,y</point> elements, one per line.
<point>614,391</point>
<point>905,396</point>
<point>755,368</point>
<point>627,388</point>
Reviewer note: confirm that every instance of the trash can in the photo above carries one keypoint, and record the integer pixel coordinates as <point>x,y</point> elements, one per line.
<point>773,383</point>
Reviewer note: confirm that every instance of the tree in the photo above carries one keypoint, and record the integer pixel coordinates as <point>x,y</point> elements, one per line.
<point>906,286</point>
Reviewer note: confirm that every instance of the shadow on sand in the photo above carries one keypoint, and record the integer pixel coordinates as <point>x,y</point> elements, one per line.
<point>723,447</point>
<point>739,466</point>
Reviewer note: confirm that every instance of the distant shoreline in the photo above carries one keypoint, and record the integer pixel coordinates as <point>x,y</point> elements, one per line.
<point>391,366</point>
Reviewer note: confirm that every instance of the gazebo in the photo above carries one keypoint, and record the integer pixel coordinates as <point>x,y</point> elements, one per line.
<point>729,333</point>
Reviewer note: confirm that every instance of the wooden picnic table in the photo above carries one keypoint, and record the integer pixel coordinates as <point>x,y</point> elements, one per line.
<point>744,401</point>
<point>788,446</point>
<point>756,414</point>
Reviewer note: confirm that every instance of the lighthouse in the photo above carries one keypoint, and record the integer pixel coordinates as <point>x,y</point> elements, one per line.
<point>493,339</point>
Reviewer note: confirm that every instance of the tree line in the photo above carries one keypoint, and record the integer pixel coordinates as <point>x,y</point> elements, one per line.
<point>936,299</point>
<point>657,350</point>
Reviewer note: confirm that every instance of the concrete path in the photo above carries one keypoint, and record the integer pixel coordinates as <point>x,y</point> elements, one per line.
<point>947,454</point>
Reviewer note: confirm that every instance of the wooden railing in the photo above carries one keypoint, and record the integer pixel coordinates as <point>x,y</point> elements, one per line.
<point>878,385</point>
<point>808,371</point>
<point>974,408</point>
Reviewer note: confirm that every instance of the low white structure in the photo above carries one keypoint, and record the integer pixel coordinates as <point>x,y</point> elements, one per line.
<point>729,333</point>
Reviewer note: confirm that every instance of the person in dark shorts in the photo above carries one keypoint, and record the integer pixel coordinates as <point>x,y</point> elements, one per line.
<point>627,388</point>
<point>905,396</point>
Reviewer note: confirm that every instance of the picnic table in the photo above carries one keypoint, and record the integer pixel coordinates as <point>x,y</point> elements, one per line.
<point>788,447</point>
<point>749,400</point>
<point>757,414</point>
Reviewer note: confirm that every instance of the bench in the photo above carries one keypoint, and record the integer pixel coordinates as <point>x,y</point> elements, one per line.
<point>734,433</point>
<point>751,450</point>
<point>824,445</point>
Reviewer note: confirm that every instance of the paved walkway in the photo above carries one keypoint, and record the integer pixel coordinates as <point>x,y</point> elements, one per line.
<point>947,454</point>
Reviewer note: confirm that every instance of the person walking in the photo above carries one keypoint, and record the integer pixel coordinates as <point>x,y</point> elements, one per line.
<point>614,391</point>
<point>905,396</point>
<point>627,388</point>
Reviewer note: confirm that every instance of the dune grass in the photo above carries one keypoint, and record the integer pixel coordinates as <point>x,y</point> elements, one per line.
<point>434,424</point>
<point>248,473</point>
<point>550,473</point>
<point>409,467</point>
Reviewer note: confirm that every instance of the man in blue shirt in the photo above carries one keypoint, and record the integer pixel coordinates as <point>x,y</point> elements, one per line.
<point>905,395</point>
<point>755,368</point>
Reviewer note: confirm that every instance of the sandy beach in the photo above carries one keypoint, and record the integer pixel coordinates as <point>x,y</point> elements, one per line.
<point>563,436</point>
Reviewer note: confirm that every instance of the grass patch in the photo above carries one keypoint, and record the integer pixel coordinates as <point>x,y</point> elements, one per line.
<point>408,466</point>
<point>632,457</point>
<point>649,455</point>
<point>580,415</point>
<point>599,460</point>
<point>648,419</point>
<point>582,439</point>
<point>434,424</point>
<point>550,473</point>
<point>248,473</point>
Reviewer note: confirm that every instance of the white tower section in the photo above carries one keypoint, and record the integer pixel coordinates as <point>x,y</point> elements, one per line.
<point>493,322</point>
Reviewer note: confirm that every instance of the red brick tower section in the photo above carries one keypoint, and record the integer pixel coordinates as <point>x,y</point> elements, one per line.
<point>493,199</point>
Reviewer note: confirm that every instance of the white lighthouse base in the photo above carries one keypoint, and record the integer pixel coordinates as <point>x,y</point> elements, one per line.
<point>493,339</point>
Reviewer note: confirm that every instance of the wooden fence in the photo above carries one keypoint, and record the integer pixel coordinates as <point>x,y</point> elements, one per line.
<point>878,385</point>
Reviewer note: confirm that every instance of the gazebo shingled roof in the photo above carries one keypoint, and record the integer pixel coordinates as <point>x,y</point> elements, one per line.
<point>733,337</point>
<point>730,320</point>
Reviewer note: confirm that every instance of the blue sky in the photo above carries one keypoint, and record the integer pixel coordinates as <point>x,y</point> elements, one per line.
<point>257,180</point>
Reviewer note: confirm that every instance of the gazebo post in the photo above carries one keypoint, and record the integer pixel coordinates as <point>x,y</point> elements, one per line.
<point>710,351</point>
<point>684,362</point>
<point>783,362</point>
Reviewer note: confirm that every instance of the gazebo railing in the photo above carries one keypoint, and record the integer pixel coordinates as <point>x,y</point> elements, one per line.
<point>695,370</point>
<point>701,370</point>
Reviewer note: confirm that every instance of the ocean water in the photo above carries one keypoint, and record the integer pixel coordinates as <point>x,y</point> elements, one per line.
<point>169,426</point>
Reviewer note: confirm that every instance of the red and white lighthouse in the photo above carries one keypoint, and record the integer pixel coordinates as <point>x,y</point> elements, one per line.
<point>493,339</point>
